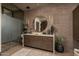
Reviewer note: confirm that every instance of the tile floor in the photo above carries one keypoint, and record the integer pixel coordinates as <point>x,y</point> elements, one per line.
<point>8,45</point>
<point>27,51</point>
<point>12,50</point>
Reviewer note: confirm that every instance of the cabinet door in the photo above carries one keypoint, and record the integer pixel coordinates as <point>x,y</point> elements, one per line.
<point>47,43</point>
<point>27,40</point>
<point>33,41</point>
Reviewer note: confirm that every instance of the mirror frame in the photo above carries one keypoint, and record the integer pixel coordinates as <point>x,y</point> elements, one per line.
<point>39,21</point>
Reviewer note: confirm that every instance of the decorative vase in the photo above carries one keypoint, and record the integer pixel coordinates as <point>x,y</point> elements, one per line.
<point>59,48</point>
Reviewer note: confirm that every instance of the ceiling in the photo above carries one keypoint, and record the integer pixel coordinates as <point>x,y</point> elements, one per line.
<point>32,6</point>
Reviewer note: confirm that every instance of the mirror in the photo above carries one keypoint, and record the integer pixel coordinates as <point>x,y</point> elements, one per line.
<point>40,23</point>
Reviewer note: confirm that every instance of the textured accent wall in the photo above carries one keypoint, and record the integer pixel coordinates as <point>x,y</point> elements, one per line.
<point>62,20</point>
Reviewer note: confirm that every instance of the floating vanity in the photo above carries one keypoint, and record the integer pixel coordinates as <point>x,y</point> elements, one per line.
<point>42,41</point>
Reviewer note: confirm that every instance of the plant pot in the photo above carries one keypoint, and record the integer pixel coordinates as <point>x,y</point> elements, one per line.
<point>59,48</point>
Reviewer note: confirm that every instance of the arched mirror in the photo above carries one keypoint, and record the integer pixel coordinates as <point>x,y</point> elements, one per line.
<point>40,23</point>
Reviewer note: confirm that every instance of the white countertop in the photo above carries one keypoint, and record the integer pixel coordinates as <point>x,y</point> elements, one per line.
<point>38,35</point>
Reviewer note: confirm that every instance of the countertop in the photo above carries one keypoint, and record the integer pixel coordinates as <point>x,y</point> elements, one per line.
<point>38,35</point>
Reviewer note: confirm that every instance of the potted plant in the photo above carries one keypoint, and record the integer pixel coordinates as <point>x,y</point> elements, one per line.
<point>59,44</point>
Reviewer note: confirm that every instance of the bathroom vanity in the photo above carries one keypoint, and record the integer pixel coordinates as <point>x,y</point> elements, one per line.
<point>43,41</point>
<point>41,37</point>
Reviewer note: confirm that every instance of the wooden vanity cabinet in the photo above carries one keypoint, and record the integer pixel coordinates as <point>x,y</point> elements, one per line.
<point>41,42</point>
<point>47,43</point>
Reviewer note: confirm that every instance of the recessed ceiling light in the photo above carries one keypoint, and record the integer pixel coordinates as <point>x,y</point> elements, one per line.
<point>28,7</point>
